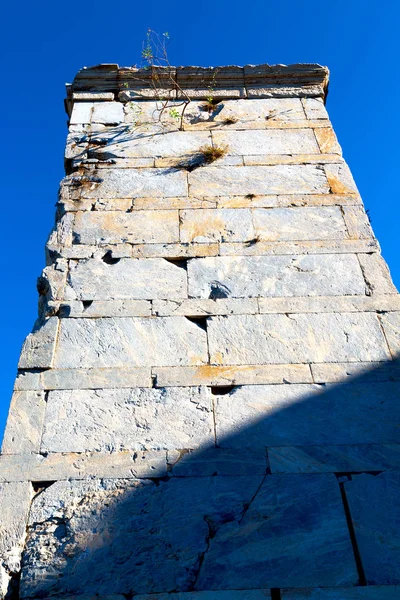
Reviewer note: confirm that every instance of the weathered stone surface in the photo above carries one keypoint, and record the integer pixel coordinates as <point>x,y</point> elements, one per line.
<point>384,592</point>
<point>145,226</point>
<point>368,371</point>
<point>357,222</point>
<point>206,306</point>
<point>175,251</point>
<point>139,342</point>
<point>374,510</point>
<point>246,111</point>
<point>327,141</point>
<point>136,419</point>
<point>238,375</point>
<point>314,108</point>
<point>304,415</point>
<point>157,144</point>
<point>81,113</point>
<point>38,349</point>
<point>298,247</point>
<point>69,379</point>
<point>299,224</point>
<point>109,113</point>
<point>279,179</point>
<point>288,159</point>
<point>391,326</point>
<point>310,304</point>
<point>340,179</point>
<point>55,466</point>
<point>226,225</point>
<point>218,461</point>
<point>27,381</point>
<point>334,459</point>
<point>273,141</point>
<point>99,515</point>
<point>271,339</point>
<point>255,276</point>
<point>130,183</point>
<point>214,595</point>
<point>24,424</point>
<point>308,546</point>
<point>107,308</point>
<point>15,500</point>
<point>152,278</point>
<point>376,274</point>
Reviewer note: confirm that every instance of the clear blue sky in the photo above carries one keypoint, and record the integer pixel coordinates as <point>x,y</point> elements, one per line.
<point>45,43</point>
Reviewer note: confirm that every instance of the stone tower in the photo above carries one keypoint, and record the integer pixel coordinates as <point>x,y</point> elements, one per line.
<point>208,405</point>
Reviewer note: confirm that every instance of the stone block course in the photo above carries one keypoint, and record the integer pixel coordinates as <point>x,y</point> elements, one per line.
<point>270,276</point>
<point>25,421</point>
<point>150,227</point>
<point>114,420</point>
<point>128,279</point>
<point>274,339</point>
<point>137,342</point>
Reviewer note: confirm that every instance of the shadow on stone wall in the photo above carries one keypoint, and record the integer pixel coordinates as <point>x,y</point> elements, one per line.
<point>306,496</point>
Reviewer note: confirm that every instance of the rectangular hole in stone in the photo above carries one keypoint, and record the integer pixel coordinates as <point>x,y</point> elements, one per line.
<point>199,321</point>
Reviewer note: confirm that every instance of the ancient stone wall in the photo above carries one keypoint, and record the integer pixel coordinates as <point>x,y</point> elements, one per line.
<point>207,407</point>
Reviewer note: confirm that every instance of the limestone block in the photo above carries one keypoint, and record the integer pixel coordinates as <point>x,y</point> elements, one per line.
<point>252,276</point>
<point>274,90</point>
<point>38,349</point>
<point>376,274</point>
<point>308,546</point>
<point>278,179</point>
<point>69,379</point>
<point>130,183</point>
<point>75,147</point>
<point>366,371</point>
<point>298,247</point>
<point>357,222</point>
<point>138,342</point>
<point>129,278</point>
<point>55,466</point>
<point>175,251</point>
<point>193,307</point>
<point>374,510</point>
<point>81,113</point>
<point>314,108</point>
<point>27,381</point>
<point>245,111</point>
<point>115,227</point>
<point>329,304</point>
<point>327,140</point>
<point>172,203</point>
<point>340,179</point>
<point>136,419</point>
<point>24,424</point>
<point>334,459</point>
<point>309,223</point>
<point>158,144</point>
<point>103,514</point>
<point>289,159</point>
<point>108,308</point>
<point>273,141</point>
<point>391,326</point>
<point>109,113</point>
<point>378,592</point>
<point>218,461</point>
<point>93,95</point>
<point>226,225</point>
<point>15,499</point>
<point>233,375</point>
<point>264,339</point>
<point>214,595</point>
<point>256,416</point>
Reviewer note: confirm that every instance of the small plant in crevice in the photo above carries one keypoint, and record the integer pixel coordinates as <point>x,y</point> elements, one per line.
<point>204,156</point>
<point>230,121</point>
<point>211,153</point>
